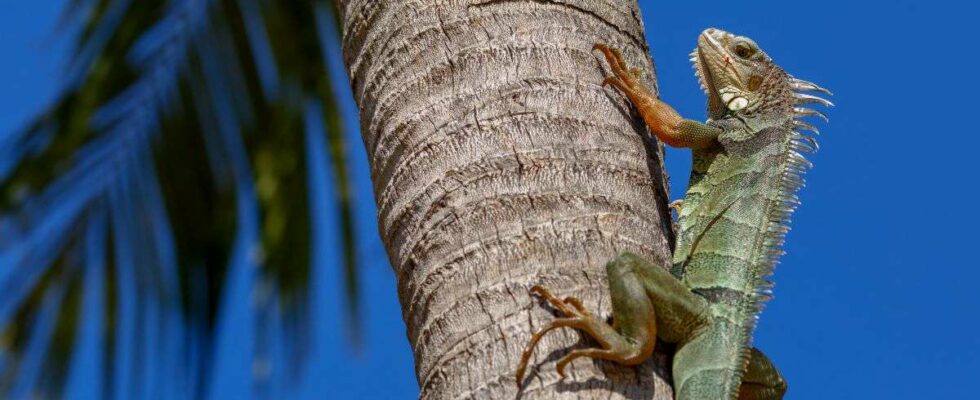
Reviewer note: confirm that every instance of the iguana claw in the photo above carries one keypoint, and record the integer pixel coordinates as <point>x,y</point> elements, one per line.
<point>663,120</point>
<point>613,347</point>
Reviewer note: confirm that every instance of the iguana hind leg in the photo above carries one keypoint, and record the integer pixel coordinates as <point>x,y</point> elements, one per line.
<point>576,316</point>
<point>643,296</point>
<point>647,302</point>
<point>762,380</point>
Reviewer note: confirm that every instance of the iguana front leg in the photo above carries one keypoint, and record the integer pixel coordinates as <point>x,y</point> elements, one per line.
<point>663,121</point>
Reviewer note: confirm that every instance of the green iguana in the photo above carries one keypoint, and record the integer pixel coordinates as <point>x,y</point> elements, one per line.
<point>747,168</point>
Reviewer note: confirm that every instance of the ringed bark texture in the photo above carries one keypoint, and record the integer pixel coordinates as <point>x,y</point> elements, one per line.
<point>499,162</point>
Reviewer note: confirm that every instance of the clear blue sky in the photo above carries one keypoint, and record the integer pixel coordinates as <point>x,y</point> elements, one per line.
<point>877,297</point>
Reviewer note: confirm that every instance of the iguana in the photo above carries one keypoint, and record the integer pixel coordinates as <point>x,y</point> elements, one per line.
<point>747,168</point>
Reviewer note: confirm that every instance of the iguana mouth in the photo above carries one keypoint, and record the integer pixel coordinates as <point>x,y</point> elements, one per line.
<point>708,50</point>
<point>703,72</point>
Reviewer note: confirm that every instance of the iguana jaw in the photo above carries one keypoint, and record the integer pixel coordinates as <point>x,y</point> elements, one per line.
<point>707,58</point>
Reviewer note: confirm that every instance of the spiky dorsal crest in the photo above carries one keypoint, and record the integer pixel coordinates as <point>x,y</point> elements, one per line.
<point>801,141</point>
<point>778,218</point>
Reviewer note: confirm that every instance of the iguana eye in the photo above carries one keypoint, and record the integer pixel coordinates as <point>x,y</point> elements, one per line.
<point>743,51</point>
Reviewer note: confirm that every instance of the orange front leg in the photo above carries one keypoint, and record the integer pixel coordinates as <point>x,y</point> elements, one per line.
<point>665,122</point>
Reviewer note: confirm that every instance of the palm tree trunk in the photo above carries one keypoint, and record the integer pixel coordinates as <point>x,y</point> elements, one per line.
<point>499,162</point>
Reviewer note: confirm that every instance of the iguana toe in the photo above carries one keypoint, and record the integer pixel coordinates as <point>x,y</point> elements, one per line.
<point>613,345</point>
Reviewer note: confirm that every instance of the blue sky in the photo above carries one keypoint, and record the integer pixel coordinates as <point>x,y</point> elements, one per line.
<point>877,297</point>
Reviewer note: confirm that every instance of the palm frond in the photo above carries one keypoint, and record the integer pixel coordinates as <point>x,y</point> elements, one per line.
<point>172,168</point>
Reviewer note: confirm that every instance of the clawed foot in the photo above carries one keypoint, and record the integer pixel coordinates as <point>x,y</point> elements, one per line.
<point>624,78</point>
<point>614,346</point>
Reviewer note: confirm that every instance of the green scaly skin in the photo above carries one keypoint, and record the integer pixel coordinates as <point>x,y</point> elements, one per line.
<point>747,169</point>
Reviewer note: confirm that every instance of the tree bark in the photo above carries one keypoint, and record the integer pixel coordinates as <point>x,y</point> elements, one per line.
<point>499,162</point>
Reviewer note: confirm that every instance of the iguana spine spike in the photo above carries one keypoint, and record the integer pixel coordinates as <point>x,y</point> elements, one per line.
<point>800,84</point>
<point>803,98</point>
<point>798,159</point>
<point>808,112</point>
<point>801,145</point>
<point>805,127</point>
<point>812,142</point>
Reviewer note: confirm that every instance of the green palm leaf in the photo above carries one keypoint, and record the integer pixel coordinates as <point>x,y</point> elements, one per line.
<point>173,162</point>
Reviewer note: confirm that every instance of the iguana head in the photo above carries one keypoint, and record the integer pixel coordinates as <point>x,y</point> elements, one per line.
<point>741,80</point>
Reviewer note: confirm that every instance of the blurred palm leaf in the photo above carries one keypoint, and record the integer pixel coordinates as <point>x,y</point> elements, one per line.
<point>174,158</point>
